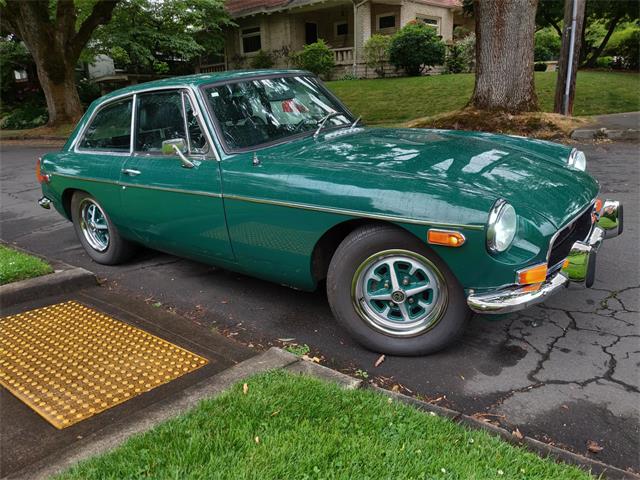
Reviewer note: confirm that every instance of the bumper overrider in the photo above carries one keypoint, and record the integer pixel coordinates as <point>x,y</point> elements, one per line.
<point>578,268</point>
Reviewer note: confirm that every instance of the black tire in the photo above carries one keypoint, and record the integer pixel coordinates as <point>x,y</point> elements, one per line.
<point>117,248</point>
<point>367,242</point>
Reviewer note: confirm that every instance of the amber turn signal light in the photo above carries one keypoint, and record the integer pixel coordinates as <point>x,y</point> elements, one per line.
<point>598,205</point>
<point>42,178</point>
<point>447,238</point>
<point>535,274</point>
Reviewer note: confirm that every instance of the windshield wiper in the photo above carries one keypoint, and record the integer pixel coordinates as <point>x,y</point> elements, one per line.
<point>355,122</point>
<point>322,121</point>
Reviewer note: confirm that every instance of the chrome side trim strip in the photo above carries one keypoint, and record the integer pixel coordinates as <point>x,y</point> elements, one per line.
<point>351,213</point>
<point>147,187</point>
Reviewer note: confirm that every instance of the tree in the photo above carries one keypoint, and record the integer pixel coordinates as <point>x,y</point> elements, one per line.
<point>504,55</point>
<point>376,52</point>
<point>55,33</point>
<point>416,46</point>
<point>147,36</point>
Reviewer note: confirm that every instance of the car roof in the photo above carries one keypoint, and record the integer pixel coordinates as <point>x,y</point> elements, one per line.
<point>200,79</point>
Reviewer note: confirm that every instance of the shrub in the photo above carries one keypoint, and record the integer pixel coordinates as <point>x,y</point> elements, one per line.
<point>415,47</point>
<point>604,62</point>
<point>376,53</point>
<point>461,55</point>
<point>315,57</point>
<point>262,60</point>
<point>540,67</point>
<point>27,115</point>
<point>547,45</point>
<point>348,76</point>
<point>629,49</point>
<point>461,32</point>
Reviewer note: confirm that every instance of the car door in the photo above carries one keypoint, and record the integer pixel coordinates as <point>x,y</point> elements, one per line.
<point>174,204</point>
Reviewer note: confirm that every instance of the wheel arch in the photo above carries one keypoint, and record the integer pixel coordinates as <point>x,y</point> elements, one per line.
<point>328,243</point>
<point>66,197</point>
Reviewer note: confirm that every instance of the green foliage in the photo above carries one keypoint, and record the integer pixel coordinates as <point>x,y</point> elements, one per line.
<point>298,350</point>
<point>629,50</point>
<point>348,76</point>
<point>262,60</point>
<point>547,45</point>
<point>13,56</point>
<point>540,67</point>
<point>16,266</point>
<point>297,427</point>
<point>26,115</point>
<point>461,55</point>
<point>148,36</point>
<point>376,52</point>
<point>415,47</point>
<point>461,32</point>
<point>604,62</point>
<point>316,58</point>
<point>87,91</point>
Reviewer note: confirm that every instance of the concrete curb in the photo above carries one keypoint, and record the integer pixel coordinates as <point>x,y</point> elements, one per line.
<point>604,133</point>
<point>536,446</point>
<point>64,279</point>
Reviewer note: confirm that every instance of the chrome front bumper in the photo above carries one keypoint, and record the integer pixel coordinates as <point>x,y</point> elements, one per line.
<point>579,268</point>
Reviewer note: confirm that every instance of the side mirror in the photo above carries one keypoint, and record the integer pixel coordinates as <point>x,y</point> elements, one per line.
<point>177,146</point>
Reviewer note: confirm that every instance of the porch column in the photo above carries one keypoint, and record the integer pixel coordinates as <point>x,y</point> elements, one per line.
<point>361,30</point>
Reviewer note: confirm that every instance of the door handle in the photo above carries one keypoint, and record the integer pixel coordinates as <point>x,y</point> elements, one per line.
<point>131,172</point>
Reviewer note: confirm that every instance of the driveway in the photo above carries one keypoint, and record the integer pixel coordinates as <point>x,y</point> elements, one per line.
<point>565,372</point>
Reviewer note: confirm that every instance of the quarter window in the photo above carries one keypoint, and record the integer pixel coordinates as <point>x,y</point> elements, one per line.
<point>250,39</point>
<point>110,129</point>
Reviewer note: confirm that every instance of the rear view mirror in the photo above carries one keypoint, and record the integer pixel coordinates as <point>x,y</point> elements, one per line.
<point>177,146</point>
<point>169,146</point>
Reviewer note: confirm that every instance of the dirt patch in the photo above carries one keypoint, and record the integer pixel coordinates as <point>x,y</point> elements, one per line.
<point>546,126</point>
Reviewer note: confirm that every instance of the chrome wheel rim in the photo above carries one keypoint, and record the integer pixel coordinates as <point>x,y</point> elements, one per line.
<point>94,226</point>
<point>399,293</point>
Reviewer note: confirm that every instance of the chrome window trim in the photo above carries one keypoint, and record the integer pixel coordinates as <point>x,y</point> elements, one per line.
<point>192,96</point>
<point>555,235</point>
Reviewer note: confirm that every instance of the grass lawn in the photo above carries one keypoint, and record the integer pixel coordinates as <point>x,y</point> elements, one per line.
<point>16,266</point>
<point>291,427</point>
<point>395,100</point>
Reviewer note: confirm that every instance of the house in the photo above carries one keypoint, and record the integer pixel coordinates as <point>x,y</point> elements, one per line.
<point>283,26</point>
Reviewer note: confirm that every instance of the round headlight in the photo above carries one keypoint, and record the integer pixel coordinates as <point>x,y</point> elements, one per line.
<point>577,160</point>
<point>501,228</point>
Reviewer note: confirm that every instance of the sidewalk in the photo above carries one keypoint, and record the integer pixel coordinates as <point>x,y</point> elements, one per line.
<point>616,126</point>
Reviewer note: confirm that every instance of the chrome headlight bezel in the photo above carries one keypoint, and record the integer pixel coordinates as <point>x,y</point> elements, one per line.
<point>501,212</point>
<point>577,159</point>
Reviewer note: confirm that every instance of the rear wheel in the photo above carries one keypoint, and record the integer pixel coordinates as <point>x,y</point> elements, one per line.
<point>96,232</point>
<point>393,294</point>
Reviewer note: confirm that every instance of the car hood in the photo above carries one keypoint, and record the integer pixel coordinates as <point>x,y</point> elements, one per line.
<point>530,174</point>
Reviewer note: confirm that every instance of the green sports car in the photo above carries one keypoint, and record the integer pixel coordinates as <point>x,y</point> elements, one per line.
<point>267,173</point>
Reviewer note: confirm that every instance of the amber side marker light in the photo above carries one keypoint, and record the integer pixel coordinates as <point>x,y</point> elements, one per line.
<point>42,178</point>
<point>535,274</point>
<point>447,238</point>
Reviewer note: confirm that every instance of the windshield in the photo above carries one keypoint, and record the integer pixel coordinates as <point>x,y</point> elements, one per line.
<point>255,112</point>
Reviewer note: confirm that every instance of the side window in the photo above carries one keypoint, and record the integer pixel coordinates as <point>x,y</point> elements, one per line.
<point>110,129</point>
<point>159,118</point>
<point>197,141</point>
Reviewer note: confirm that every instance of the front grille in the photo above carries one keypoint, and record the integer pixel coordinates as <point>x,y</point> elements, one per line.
<point>578,229</point>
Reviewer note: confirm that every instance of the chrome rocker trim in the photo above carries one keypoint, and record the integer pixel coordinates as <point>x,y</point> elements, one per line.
<point>580,268</point>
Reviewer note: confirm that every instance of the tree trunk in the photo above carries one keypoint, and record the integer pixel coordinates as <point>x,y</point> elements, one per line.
<point>561,104</point>
<point>591,62</point>
<point>504,55</point>
<point>61,94</point>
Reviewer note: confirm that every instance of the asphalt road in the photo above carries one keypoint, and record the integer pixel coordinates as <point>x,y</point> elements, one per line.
<point>565,372</point>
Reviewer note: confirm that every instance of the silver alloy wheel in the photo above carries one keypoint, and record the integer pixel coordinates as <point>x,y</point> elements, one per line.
<point>399,293</point>
<point>94,226</point>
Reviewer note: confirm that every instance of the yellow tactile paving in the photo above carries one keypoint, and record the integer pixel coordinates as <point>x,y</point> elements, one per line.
<point>69,362</point>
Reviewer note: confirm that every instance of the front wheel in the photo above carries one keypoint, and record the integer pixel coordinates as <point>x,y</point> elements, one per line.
<point>393,294</point>
<point>97,234</point>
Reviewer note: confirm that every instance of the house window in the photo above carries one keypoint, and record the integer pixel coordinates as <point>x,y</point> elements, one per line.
<point>250,39</point>
<point>430,21</point>
<point>20,75</point>
<point>386,21</point>
<point>342,29</point>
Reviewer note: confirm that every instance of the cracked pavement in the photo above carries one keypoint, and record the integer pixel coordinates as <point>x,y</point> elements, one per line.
<point>564,372</point>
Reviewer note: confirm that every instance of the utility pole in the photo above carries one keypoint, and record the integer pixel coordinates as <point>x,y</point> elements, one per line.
<point>569,56</point>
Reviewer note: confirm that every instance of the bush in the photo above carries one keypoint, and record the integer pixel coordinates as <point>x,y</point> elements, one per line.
<point>27,115</point>
<point>461,55</point>
<point>87,91</point>
<point>415,47</point>
<point>348,76</point>
<point>262,60</point>
<point>376,53</point>
<point>604,62</point>
<point>540,67</point>
<point>629,49</point>
<point>315,57</point>
<point>547,45</point>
